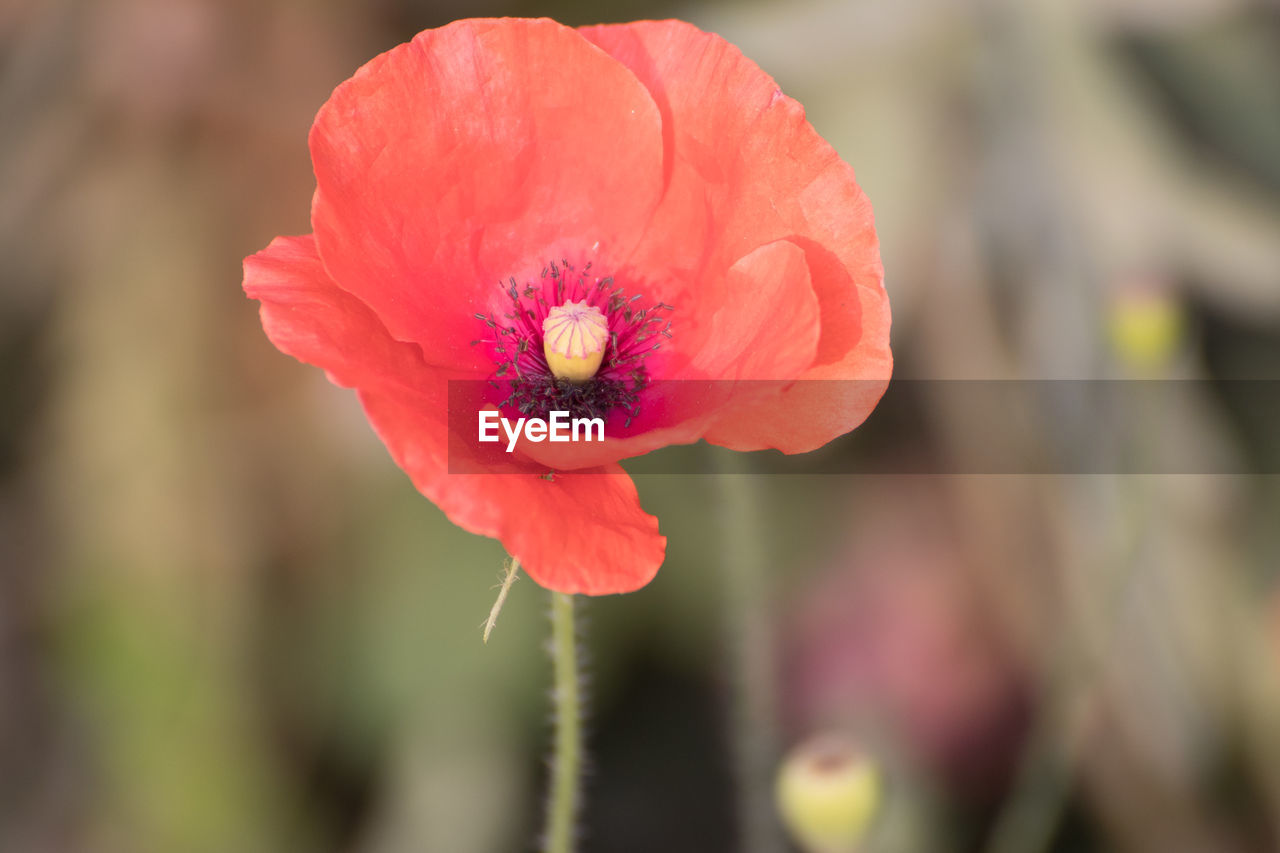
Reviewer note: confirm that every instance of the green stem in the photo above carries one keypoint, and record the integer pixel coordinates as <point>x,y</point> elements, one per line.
<point>749,625</point>
<point>562,810</point>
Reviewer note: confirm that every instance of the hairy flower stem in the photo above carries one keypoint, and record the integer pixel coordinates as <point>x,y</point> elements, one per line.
<point>566,761</point>
<point>749,629</point>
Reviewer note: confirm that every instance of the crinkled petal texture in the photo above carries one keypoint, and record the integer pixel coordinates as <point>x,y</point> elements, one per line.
<point>659,153</point>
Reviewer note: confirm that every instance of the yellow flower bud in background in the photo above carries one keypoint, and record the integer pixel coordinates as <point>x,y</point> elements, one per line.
<point>1145,325</point>
<point>828,793</point>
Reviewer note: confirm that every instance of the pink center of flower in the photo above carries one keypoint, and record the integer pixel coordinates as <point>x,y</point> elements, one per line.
<point>573,342</point>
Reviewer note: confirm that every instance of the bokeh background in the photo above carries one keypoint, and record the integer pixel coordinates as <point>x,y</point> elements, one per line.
<point>228,622</point>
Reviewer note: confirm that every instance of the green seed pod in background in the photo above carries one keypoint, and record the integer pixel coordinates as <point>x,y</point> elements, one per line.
<point>828,793</point>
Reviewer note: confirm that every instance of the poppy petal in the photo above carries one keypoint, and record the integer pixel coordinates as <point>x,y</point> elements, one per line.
<point>767,324</point>
<point>478,151</point>
<point>309,317</point>
<point>745,169</point>
<point>578,532</point>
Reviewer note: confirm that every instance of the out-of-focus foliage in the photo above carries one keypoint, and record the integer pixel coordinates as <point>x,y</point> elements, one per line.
<point>227,622</point>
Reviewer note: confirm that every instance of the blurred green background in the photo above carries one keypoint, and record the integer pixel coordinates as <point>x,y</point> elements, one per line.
<point>228,622</point>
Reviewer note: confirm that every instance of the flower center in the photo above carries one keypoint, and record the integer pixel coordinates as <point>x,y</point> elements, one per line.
<point>573,342</point>
<point>574,336</point>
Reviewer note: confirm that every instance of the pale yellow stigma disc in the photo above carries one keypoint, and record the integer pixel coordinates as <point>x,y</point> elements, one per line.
<point>574,337</point>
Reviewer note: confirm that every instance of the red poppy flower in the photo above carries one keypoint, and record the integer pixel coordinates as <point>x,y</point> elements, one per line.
<point>581,214</point>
